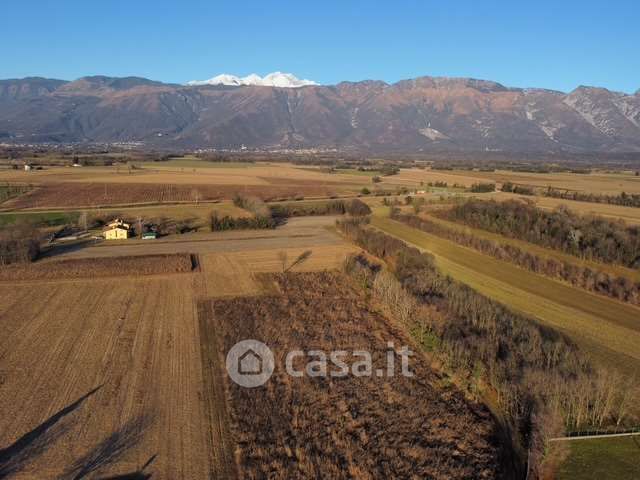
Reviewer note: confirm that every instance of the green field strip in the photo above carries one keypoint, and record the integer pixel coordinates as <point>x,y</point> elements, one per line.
<point>608,329</point>
<point>538,250</point>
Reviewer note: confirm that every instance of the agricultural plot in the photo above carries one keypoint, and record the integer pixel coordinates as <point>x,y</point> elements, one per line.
<point>102,378</point>
<point>596,182</point>
<point>87,195</point>
<point>543,252</point>
<point>123,333</point>
<point>607,329</point>
<point>351,427</point>
<point>301,232</point>
<point>630,215</point>
<point>236,273</point>
<point>99,267</point>
<point>60,187</point>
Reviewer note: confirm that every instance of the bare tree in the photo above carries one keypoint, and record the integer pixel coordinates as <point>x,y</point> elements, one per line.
<point>195,195</point>
<point>82,221</point>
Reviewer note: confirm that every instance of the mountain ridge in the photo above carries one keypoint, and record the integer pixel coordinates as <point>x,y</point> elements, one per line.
<point>421,114</point>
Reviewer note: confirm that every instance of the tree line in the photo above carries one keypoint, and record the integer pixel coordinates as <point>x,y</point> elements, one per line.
<point>545,385</point>
<point>618,287</point>
<point>265,216</point>
<point>19,243</point>
<point>585,236</point>
<point>354,207</point>
<point>623,199</point>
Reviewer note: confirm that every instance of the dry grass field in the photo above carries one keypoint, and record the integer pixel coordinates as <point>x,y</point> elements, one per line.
<point>606,328</point>
<point>353,427</point>
<point>235,273</point>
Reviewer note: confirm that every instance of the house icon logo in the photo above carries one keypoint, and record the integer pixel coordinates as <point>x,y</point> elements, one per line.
<point>250,363</point>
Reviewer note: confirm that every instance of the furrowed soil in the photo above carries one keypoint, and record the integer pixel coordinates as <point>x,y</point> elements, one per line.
<point>607,329</point>
<point>99,378</point>
<point>349,427</point>
<point>99,267</point>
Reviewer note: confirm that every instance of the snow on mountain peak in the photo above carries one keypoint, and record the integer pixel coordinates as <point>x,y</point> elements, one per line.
<point>275,79</point>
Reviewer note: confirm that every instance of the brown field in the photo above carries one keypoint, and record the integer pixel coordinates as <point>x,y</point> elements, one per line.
<point>66,187</point>
<point>99,377</point>
<point>236,273</point>
<point>99,267</point>
<point>300,232</point>
<point>359,428</point>
<point>118,375</point>
<point>83,195</point>
<point>596,182</point>
<point>159,173</point>
<point>110,353</point>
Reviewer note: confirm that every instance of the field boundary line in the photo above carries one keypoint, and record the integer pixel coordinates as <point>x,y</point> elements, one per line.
<point>591,437</point>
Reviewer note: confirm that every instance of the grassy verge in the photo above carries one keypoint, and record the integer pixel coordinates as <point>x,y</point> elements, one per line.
<point>45,219</point>
<point>602,459</point>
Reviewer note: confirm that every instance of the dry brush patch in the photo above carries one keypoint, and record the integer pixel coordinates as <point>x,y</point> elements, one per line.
<point>352,427</point>
<point>99,267</point>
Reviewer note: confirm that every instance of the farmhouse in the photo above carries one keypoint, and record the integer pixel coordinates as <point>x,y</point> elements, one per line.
<point>117,230</point>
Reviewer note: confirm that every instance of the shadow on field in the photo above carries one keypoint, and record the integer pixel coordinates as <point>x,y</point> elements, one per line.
<point>137,475</point>
<point>62,249</point>
<point>110,450</point>
<point>34,443</point>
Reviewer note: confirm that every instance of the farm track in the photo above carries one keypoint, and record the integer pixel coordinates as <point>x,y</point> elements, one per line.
<point>608,329</point>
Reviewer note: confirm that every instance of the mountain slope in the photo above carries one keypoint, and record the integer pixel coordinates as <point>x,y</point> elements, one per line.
<point>422,114</point>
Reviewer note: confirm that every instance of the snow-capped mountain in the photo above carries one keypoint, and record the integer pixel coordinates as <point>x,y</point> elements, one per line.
<point>275,79</point>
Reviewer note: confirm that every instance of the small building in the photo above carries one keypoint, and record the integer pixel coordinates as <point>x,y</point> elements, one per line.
<point>116,233</point>
<point>117,230</point>
<point>27,167</point>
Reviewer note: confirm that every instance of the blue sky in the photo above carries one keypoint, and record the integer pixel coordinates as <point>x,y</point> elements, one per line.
<point>552,44</point>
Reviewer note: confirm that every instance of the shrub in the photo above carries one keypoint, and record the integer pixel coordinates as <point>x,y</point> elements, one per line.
<point>357,208</point>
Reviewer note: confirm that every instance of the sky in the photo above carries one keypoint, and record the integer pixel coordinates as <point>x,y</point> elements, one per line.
<point>557,44</point>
